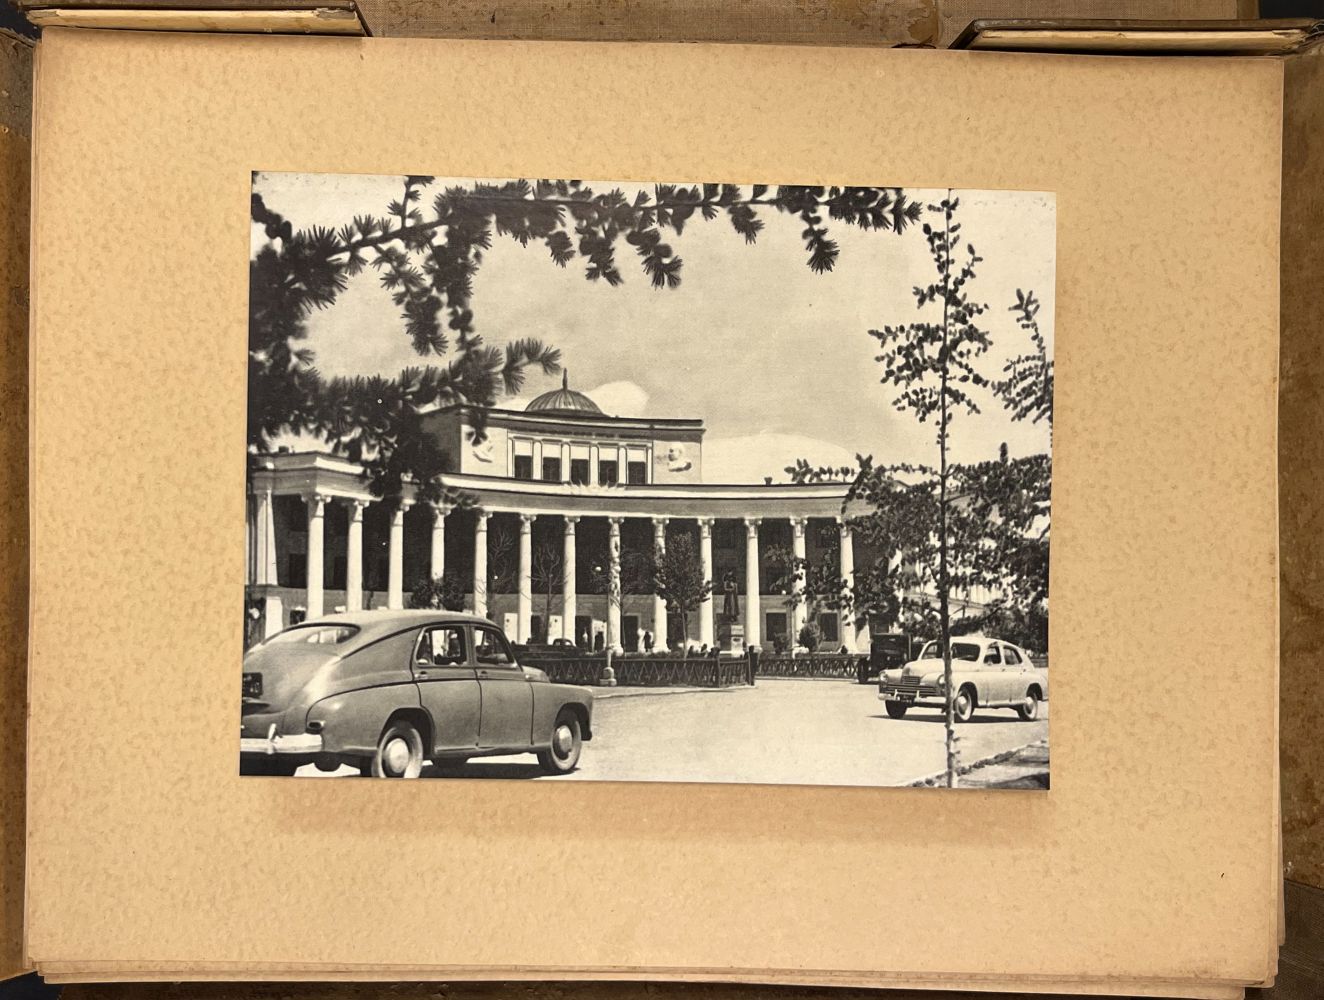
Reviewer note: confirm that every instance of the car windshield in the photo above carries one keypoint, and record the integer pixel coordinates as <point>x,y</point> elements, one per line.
<point>960,651</point>
<point>316,635</point>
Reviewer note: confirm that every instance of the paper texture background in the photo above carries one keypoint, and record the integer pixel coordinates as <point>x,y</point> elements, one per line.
<point>148,848</point>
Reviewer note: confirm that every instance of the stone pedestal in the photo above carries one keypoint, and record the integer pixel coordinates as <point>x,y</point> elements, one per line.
<point>730,636</point>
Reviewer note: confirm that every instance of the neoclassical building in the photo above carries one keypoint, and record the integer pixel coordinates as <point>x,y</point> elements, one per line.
<point>564,495</point>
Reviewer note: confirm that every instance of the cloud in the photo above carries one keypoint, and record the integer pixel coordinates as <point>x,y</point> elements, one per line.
<point>751,458</point>
<point>620,399</point>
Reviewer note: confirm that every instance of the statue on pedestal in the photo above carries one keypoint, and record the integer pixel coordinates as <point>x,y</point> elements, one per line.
<point>730,598</point>
<point>730,630</point>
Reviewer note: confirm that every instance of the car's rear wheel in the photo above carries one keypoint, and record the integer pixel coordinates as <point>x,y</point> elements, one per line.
<point>964,707</point>
<point>399,751</point>
<point>1028,709</point>
<point>895,709</point>
<point>567,743</point>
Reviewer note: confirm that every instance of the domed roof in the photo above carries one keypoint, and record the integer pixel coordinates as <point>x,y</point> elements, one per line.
<point>563,400</point>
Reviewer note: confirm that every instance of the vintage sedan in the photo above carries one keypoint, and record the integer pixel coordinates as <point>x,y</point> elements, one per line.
<point>986,673</point>
<point>385,691</point>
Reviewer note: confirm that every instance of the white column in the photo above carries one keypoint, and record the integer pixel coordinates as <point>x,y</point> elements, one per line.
<point>316,520</point>
<point>524,588</point>
<point>659,605</point>
<point>437,564</point>
<point>354,556</point>
<point>395,578</point>
<point>537,459</point>
<point>569,598</point>
<point>846,619</point>
<point>706,561</point>
<point>593,454</point>
<point>622,464</point>
<point>565,461</point>
<point>614,595</point>
<point>798,609</point>
<point>250,539</point>
<point>264,572</point>
<point>480,562</point>
<point>753,634</point>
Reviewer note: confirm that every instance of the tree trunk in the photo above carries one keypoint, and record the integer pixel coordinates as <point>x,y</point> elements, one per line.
<point>944,611</point>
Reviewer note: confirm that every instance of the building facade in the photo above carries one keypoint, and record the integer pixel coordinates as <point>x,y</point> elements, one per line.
<point>563,496</point>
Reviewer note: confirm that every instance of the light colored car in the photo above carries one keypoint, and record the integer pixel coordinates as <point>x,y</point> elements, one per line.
<point>986,673</point>
<point>385,691</point>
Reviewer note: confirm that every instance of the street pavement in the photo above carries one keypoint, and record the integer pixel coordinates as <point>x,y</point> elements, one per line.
<point>805,732</point>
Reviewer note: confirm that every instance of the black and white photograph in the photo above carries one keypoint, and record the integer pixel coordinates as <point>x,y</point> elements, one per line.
<point>676,481</point>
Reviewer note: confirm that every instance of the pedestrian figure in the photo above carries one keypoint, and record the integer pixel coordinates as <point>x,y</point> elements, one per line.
<point>598,642</point>
<point>648,641</point>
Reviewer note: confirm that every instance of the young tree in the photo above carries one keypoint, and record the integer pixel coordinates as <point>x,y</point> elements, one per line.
<point>678,578</point>
<point>546,576</point>
<point>932,365</point>
<point>501,560</point>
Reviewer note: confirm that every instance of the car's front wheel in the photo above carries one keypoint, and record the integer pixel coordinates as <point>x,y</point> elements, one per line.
<point>567,743</point>
<point>1028,709</point>
<point>399,752</point>
<point>895,709</point>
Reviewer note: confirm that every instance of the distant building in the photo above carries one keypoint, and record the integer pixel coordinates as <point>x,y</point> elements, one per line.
<point>562,491</point>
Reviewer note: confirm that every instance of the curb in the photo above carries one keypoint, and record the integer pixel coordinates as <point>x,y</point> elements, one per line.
<point>641,692</point>
<point>932,780</point>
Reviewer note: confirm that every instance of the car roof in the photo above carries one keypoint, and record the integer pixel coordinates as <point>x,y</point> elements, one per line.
<point>380,622</point>
<point>980,638</point>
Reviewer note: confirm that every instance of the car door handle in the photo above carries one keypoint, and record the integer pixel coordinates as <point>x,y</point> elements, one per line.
<point>420,675</point>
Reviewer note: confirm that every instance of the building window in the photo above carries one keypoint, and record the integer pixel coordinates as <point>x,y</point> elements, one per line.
<point>551,470</point>
<point>638,472</point>
<point>609,473</point>
<point>523,466</point>
<point>579,471</point>
<point>827,625</point>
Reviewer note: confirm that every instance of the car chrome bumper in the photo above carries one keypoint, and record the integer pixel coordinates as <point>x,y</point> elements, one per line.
<point>925,693</point>
<point>303,743</point>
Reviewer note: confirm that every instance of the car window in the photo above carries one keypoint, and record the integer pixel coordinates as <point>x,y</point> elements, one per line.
<point>1013,657</point>
<point>491,649</point>
<point>993,655</point>
<point>317,635</point>
<point>960,651</point>
<point>441,646</point>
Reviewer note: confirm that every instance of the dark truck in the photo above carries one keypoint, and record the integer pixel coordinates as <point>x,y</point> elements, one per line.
<point>887,651</point>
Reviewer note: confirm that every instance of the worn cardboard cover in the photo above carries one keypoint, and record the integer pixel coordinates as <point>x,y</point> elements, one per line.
<point>15,155</point>
<point>1154,856</point>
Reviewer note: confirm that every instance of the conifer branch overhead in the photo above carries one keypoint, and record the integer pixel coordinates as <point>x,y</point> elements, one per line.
<point>426,252</point>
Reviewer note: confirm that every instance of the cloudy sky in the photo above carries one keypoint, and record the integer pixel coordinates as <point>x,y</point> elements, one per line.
<point>775,359</point>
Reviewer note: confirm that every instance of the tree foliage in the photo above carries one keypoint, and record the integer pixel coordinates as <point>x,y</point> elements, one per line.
<point>1027,388</point>
<point>444,592</point>
<point>427,256</point>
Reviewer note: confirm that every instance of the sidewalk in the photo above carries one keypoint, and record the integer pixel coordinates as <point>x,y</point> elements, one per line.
<point>1024,767</point>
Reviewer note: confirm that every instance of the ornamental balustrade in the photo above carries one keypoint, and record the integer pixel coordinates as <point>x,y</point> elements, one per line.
<point>843,665</point>
<point>650,671</point>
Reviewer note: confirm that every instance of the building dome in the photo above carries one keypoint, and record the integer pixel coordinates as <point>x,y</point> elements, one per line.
<point>563,400</point>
